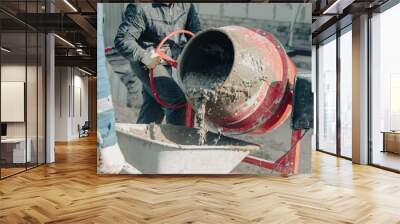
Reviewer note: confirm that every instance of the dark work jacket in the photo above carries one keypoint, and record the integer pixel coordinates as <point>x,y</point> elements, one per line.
<point>145,25</point>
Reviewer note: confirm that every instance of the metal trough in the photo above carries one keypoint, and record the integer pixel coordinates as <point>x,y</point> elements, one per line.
<point>169,149</point>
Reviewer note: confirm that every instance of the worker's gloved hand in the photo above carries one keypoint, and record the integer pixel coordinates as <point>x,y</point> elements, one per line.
<point>151,59</point>
<point>112,161</point>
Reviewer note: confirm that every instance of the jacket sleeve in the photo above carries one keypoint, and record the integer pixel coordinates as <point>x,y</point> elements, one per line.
<point>130,30</point>
<point>193,21</point>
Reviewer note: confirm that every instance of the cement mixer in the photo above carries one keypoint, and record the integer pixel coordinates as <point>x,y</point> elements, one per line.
<point>248,72</point>
<point>253,76</point>
<point>249,83</point>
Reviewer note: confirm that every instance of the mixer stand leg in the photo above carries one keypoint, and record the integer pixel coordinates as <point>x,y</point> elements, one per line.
<point>288,163</point>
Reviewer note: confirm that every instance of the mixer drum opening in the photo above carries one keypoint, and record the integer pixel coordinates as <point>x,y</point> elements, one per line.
<point>209,57</point>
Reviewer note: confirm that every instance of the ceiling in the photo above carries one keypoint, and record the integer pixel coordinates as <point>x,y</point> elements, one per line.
<point>330,15</point>
<point>75,22</point>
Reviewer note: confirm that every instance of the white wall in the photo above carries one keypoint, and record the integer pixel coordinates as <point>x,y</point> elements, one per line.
<point>61,82</point>
<point>12,73</point>
<point>70,83</point>
<point>266,11</point>
<point>33,126</point>
<point>79,117</point>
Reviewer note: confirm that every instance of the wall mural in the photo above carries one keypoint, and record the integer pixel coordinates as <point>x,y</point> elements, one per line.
<point>204,88</point>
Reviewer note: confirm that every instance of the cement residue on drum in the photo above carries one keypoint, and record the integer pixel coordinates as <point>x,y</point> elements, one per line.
<point>211,85</point>
<point>252,62</point>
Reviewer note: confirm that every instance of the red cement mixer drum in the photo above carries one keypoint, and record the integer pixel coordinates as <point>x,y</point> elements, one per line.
<point>249,73</point>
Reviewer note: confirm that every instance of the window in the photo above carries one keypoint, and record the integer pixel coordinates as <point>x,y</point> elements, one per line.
<point>327,96</point>
<point>346,95</point>
<point>22,77</point>
<point>385,89</point>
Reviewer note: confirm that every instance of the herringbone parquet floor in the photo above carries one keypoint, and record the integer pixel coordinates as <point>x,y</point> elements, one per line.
<point>69,191</point>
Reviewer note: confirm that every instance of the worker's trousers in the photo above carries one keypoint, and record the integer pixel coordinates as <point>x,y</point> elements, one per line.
<point>168,90</point>
<point>105,110</point>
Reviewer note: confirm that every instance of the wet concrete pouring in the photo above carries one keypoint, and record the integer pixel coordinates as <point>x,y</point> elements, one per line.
<point>201,88</point>
<point>208,86</point>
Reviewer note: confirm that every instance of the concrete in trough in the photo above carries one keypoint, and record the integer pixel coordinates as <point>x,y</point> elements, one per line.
<point>168,149</point>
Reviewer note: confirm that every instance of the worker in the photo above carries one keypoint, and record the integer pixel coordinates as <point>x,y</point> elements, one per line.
<point>143,27</point>
<point>111,160</point>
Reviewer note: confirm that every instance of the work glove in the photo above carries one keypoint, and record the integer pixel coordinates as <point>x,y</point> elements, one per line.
<point>151,59</point>
<point>112,161</point>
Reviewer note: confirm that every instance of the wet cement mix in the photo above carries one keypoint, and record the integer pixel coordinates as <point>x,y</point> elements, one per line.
<point>201,88</point>
<point>208,86</point>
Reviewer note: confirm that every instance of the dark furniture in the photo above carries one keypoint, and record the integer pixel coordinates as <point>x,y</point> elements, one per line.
<point>391,141</point>
<point>84,129</point>
<point>3,129</point>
